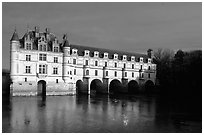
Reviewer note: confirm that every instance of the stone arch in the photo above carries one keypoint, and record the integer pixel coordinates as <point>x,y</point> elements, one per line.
<point>79,86</point>
<point>41,91</point>
<point>115,86</point>
<point>96,86</point>
<point>149,86</point>
<point>133,87</point>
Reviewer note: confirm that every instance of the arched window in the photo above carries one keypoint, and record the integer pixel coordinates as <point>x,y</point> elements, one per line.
<point>87,72</point>
<point>44,48</point>
<point>41,48</point>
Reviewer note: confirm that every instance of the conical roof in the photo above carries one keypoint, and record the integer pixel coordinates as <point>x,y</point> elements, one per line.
<point>66,42</point>
<point>15,36</point>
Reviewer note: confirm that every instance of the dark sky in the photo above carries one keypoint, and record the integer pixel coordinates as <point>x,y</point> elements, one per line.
<point>132,27</point>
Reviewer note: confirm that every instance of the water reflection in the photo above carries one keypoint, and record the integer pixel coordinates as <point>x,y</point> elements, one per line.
<point>85,113</point>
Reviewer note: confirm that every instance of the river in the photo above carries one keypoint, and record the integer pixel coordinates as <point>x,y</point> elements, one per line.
<point>97,114</point>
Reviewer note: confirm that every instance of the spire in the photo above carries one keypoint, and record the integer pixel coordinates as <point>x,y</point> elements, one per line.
<point>15,36</point>
<point>66,42</point>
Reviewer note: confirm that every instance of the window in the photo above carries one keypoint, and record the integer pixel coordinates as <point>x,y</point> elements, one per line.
<point>125,74</point>
<point>27,69</point>
<point>115,73</point>
<point>106,73</point>
<point>44,48</point>
<point>28,46</point>
<point>55,59</point>
<point>74,71</point>
<point>132,74</point>
<point>74,61</point>
<point>148,67</point>
<point>55,49</point>
<point>141,67</point>
<point>115,64</point>
<point>42,69</point>
<point>87,72</point>
<point>55,70</point>
<point>87,62</point>
<point>96,63</point>
<point>124,57</point>
<point>142,75</point>
<point>28,57</point>
<point>41,48</point>
<point>149,75</point>
<point>42,57</point>
<point>42,38</point>
<point>106,64</point>
<point>25,79</point>
<point>70,72</point>
<point>141,59</point>
<point>133,66</point>
<point>124,65</point>
<point>96,72</point>
<point>56,80</point>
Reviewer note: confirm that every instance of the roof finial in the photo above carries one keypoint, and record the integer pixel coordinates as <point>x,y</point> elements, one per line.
<point>28,27</point>
<point>15,29</point>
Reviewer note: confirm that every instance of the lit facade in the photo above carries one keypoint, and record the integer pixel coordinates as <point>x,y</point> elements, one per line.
<point>39,56</point>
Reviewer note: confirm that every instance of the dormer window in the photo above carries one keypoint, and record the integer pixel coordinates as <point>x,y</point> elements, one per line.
<point>56,49</point>
<point>115,56</point>
<point>86,52</point>
<point>96,54</point>
<point>44,48</point>
<point>105,55</point>
<point>149,60</point>
<point>74,51</point>
<point>28,46</point>
<point>124,57</point>
<point>132,58</point>
<point>141,59</point>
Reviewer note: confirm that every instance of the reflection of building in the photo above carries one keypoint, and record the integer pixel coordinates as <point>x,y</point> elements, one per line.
<point>40,57</point>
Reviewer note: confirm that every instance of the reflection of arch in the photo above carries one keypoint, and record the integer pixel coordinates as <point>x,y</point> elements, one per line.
<point>41,88</point>
<point>96,85</point>
<point>115,86</point>
<point>149,86</point>
<point>79,86</point>
<point>133,87</point>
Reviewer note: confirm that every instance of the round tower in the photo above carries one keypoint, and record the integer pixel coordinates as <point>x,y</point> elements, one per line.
<point>14,47</point>
<point>66,58</point>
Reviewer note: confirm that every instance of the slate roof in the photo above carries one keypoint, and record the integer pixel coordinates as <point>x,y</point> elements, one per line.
<point>111,53</point>
<point>15,36</point>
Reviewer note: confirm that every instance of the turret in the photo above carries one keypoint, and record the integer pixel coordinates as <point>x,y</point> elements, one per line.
<point>14,47</point>
<point>66,58</point>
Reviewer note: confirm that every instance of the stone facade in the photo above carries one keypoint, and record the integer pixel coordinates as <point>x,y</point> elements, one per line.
<point>39,56</point>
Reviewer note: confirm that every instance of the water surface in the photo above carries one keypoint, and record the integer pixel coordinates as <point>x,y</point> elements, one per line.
<point>93,114</point>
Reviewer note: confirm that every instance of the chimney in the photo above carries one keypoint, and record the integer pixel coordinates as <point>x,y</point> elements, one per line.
<point>47,30</point>
<point>37,29</point>
<point>149,53</point>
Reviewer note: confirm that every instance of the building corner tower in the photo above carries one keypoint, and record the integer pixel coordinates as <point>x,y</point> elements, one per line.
<point>66,59</point>
<point>14,47</point>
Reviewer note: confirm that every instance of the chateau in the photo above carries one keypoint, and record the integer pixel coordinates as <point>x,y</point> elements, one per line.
<point>42,65</point>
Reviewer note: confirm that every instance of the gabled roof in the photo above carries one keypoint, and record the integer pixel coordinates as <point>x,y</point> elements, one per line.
<point>101,51</point>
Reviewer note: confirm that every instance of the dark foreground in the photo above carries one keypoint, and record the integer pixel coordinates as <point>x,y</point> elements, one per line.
<point>81,114</point>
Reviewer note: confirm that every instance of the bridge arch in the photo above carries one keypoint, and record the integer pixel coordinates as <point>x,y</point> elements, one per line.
<point>133,87</point>
<point>79,86</point>
<point>149,86</point>
<point>96,86</point>
<point>41,89</point>
<point>115,86</point>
